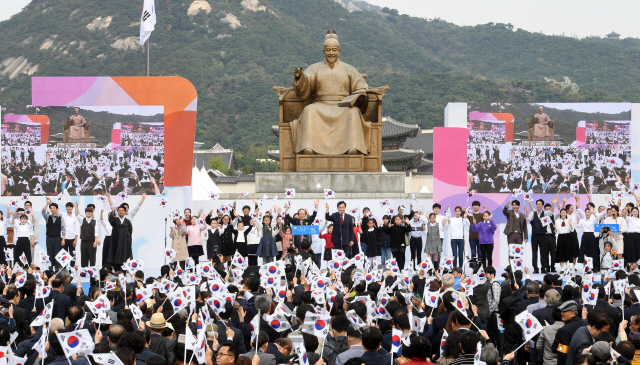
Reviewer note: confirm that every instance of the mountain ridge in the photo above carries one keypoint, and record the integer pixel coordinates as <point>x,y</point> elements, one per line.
<point>235,51</point>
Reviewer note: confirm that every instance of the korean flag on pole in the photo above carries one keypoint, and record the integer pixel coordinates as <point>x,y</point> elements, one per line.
<point>529,323</point>
<point>147,20</point>
<point>75,342</point>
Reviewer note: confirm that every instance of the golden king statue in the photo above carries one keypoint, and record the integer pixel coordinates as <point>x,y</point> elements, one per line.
<point>332,124</point>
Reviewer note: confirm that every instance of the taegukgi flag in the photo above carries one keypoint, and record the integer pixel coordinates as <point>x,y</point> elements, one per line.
<point>147,20</point>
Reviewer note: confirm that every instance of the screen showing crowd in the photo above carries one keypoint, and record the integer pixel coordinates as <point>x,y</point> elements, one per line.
<point>88,151</point>
<point>553,148</point>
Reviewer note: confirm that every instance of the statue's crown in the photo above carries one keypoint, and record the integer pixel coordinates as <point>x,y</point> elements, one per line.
<point>331,35</point>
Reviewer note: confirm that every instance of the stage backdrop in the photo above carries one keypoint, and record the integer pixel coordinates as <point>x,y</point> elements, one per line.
<point>594,138</point>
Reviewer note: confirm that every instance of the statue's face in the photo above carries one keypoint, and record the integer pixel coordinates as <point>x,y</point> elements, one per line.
<point>540,109</point>
<point>77,111</point>
<point>331,52</point>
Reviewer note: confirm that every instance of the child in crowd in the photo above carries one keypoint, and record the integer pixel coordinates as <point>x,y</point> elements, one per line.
<point>179,241</point>
<point>457,276</point>
<point>433,246</point>
<point>607,247</point>
<point>328,245</point>
<point>213,239</point>
<point>385,241</point>
<point>372,235</point>
<point>240,235</point>
<point>267,248</point>
<point>485,230</point>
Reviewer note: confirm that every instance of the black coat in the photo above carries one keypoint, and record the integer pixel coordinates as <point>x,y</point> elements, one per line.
<point>61,304</point>
<point>613,313</point>
<point>238,338</point>
<point>309,220</point>
<point>22,323</point>
<point>163,347</point>
<point>121,241</point>
<point>342,233</point>
<point>563,337</point>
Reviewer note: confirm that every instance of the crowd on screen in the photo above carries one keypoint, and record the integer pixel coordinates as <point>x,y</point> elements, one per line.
<point>142,139</point>
<point>22,138</point>
<point>328,298</point>
<point>608,137</point>
<point>83,171</point>
<point>548,169</point>
<point>487,136</point>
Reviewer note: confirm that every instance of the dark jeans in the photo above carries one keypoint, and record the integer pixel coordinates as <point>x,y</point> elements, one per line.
<point>487,255</point>
<point>400,257</point>
<point>415,243</point>
<point>457,249</point>
<point>474,245</point>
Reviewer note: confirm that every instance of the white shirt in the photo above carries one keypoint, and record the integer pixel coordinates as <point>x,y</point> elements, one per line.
<point>587,225</point>
<point>22,230</point>
<point>107,227</point>
<point>457,227</point>
<point>70,226</point>
<point>3,227</point>
<point>560,229</point>
<point>439,219</point>
<point>633,224</point>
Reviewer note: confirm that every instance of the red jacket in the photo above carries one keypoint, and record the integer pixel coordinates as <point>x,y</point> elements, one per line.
<point>327,239</point>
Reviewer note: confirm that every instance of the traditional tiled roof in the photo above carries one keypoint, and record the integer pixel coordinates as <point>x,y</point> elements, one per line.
<point>235,179</point>
<point>393,128</point>
<point>387,155</point>
<point>423,141</point>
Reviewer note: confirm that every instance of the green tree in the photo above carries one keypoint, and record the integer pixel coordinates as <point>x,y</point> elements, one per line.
<point>216,163</point>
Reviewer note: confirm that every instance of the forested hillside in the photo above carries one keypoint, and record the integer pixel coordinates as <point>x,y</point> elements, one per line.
<point>235,51</point>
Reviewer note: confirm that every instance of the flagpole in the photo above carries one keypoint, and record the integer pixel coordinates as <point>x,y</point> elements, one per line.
<point>258,332</point>
<point>147,52</point>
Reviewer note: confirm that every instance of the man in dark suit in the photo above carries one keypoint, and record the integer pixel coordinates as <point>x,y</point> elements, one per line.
<point>302,220</point>
<point>20,315</point>
<point>516,223</point>
<point>613,313</point>
<point>161,345</point>
<point>374,354</point>
<point>62,302</point>
<point>70,289</point>
<point>533,297</point>
<point>343,233</point>
<point>226,330</point>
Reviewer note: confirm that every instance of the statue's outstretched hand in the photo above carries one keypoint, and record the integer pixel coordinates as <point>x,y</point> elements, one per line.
<point>297,72</point>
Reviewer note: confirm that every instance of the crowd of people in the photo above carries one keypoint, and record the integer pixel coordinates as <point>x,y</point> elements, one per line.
<point>83,171</point>
<point>230,309</point>
<point>355,301</point>
<point>18,138</point>
<point>496,136</point>
<point>141,138</point>
<point>607,137</point>
<point>549,169</point>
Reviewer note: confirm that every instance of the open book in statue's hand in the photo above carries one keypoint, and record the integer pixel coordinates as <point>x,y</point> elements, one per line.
<point>353,100</point>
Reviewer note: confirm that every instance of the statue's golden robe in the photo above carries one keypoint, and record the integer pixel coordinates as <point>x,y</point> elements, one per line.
<point>325,127</point>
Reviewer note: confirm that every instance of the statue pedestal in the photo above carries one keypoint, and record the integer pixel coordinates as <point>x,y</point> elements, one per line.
<point>339,163</point>
<point>347,185</point>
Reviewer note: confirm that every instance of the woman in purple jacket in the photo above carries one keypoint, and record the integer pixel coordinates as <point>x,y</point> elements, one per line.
<point>485,230</point>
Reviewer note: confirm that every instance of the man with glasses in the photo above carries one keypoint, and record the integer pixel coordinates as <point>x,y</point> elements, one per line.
<point>226,355</point>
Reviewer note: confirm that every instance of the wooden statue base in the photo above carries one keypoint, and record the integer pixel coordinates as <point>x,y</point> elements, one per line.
<point>341,163</point>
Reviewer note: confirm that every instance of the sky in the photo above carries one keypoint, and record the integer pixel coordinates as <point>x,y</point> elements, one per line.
<point>572,17</point>
<point>580,18</point>
<point>10,7</point>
